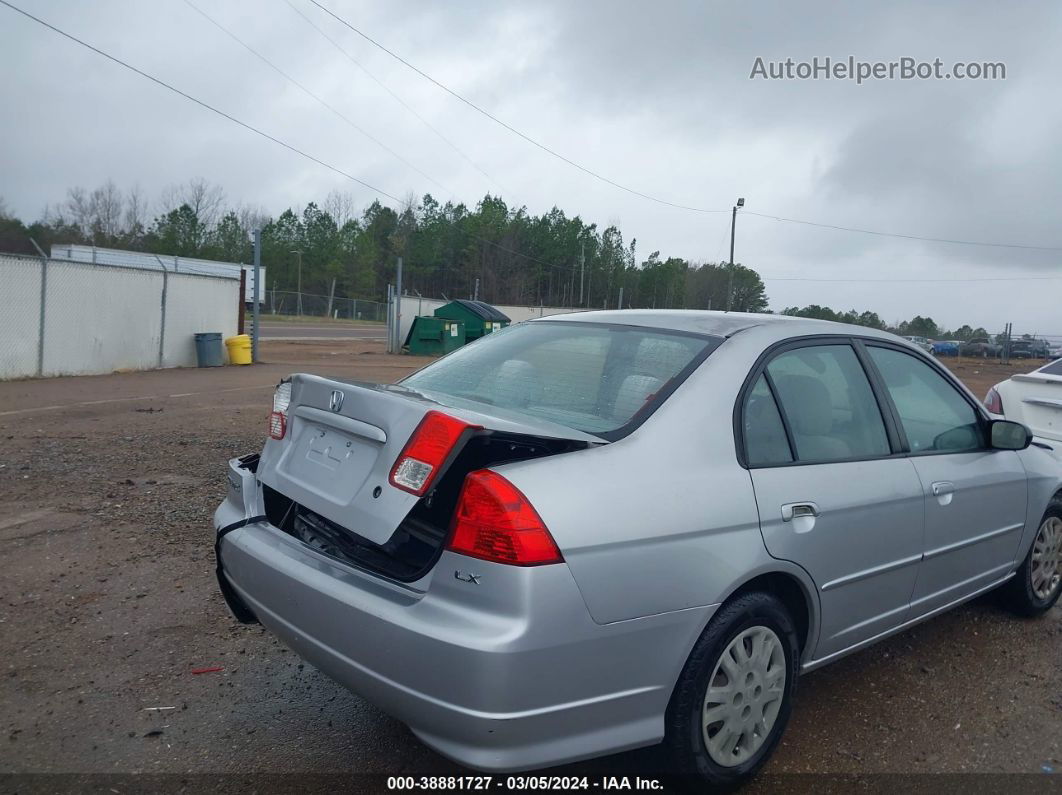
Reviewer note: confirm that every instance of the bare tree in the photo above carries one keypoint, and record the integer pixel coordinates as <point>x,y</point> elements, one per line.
<point>78,209</point>
<point>340,206</point>
<point>105,206</point>
<point>135,214</point>
<point>97,214</point>
<point>204,199</point>
<point>252,217</point>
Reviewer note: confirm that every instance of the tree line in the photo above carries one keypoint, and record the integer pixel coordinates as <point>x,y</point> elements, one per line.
<point>501,253</point>
<point>918,326</point>
<point>504,254</point>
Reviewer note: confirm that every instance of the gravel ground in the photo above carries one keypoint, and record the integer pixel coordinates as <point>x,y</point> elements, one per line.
<point>108,605</point>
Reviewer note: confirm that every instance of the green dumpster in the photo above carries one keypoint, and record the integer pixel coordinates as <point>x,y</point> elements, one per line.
<point>434,336</point>
<point>479,318</point>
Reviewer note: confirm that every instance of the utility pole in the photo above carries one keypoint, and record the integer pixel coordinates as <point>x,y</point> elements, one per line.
<point>398,307</point>
<point>390,319</point>
<point>733,225</point>
<point>582,270</point>
<point>475,291</point>
<point>256,292</point>
<point>298,300</point>
<point>619,304</point>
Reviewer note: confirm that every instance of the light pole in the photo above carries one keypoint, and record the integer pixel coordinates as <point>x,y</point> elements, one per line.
<point>299,294</point>
<point>733,224</point>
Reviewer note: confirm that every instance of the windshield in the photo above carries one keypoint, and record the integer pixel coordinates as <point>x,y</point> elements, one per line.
<point>592,377</point>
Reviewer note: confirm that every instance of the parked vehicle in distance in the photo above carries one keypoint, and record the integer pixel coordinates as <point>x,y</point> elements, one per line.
<point>1029,349</point>
<point>598,531</point>
<point>1034,399</point>
<point>922,343</point>
<point>981,346</point>
<point>945,348</point>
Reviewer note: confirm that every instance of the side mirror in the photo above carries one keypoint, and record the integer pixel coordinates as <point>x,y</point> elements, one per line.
<point>1007,435</point>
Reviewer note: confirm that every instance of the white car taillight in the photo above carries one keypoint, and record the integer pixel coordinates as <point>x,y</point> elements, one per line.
<point>278,417</point>
<point>993,402</point>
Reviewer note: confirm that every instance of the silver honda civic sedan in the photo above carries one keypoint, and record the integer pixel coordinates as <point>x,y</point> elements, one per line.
<point>599,531</point>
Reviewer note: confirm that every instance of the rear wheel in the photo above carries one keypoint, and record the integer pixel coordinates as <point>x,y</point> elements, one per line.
<point>1037,584</point>
<point>733,699</point>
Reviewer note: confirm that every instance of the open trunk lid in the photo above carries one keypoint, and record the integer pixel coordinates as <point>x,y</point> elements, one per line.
<point>328,480</point>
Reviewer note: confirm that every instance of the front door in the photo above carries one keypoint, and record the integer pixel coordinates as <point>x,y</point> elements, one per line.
<point>832,495</point>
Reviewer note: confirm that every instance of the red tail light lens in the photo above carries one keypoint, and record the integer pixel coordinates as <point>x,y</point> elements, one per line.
<point>993,402</point>
<point>278,417</point>
<point>278,424</point>
<point>494,521</point>
<point>426,451</point>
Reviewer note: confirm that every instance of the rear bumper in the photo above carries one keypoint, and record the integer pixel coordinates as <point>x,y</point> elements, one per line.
<point>507,674</point>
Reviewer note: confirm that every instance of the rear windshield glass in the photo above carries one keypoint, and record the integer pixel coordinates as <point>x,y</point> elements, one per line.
<point>594,378</point>
<point>1055,368</point>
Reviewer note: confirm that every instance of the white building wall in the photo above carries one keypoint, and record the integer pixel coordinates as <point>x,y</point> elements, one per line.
<point>98,318</point>
<point>196,304</point>
<point>20,301</point>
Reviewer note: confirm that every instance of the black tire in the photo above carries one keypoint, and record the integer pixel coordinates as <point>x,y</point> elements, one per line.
<point>1017,593</point>
<point>683,738</point>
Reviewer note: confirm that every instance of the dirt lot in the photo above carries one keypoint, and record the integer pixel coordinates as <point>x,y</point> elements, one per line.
<point>108,604</point>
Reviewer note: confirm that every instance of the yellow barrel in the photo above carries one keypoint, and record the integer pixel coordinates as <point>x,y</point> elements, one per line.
<point>239,348</point>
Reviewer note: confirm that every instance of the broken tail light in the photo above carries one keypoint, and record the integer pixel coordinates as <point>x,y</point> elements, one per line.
<point>278,417</point>
<point>426,451</point>
<point>494,521</point>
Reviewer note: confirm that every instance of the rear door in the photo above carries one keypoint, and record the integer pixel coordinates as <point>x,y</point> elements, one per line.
<point>975,497</point>
<point>832,495</point>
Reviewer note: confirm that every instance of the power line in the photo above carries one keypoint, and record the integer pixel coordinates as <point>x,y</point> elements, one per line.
<point>314,96</point>
<point>647,196</point>
<point>199,102</point>
<point>509,127</point>
<point>255,130</point>
<point>395,96</point>
<point>903,236</point>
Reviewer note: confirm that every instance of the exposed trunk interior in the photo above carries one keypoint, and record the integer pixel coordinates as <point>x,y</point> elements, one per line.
<point>417,543</point>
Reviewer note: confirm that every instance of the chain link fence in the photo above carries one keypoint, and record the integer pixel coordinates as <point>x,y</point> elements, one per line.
<point>283,302</point>
<point>62,317</point>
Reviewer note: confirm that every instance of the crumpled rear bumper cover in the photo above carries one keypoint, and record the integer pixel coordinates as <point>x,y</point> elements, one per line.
<point>510,674</point>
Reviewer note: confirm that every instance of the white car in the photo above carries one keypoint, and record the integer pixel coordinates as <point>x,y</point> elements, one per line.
<point>922,343</point>
<point>1034,399</point>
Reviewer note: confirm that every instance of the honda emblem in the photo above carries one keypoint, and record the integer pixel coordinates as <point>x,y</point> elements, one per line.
<point>336,401</point>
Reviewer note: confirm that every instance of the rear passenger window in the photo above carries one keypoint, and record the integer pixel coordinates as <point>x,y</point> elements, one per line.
<point>765,439</point>
<point>828,404</point>
<point>933,413</point>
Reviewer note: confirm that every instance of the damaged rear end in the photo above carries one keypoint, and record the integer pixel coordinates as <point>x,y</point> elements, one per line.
<point>371,475</point>
<point>378,536</point>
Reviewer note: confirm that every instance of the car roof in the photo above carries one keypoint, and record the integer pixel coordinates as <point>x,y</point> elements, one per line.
<point>719,324</point>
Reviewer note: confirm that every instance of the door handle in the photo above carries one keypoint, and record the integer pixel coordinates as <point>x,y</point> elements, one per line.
<point>942,487</point>
<point>796,510</point>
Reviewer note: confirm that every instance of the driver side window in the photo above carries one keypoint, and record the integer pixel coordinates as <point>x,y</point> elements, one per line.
<point>934,415</point>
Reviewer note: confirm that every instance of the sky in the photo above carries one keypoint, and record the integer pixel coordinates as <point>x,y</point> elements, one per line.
<point>656,96</point>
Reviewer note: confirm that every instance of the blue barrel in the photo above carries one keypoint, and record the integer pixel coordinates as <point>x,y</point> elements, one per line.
<point>208,349</point>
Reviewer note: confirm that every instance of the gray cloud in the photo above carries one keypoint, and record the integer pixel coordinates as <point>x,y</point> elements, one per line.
<point>656,96</point>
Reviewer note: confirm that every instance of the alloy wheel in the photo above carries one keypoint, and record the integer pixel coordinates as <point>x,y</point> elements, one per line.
<point>744,696</point>
<point>1046,570</point>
